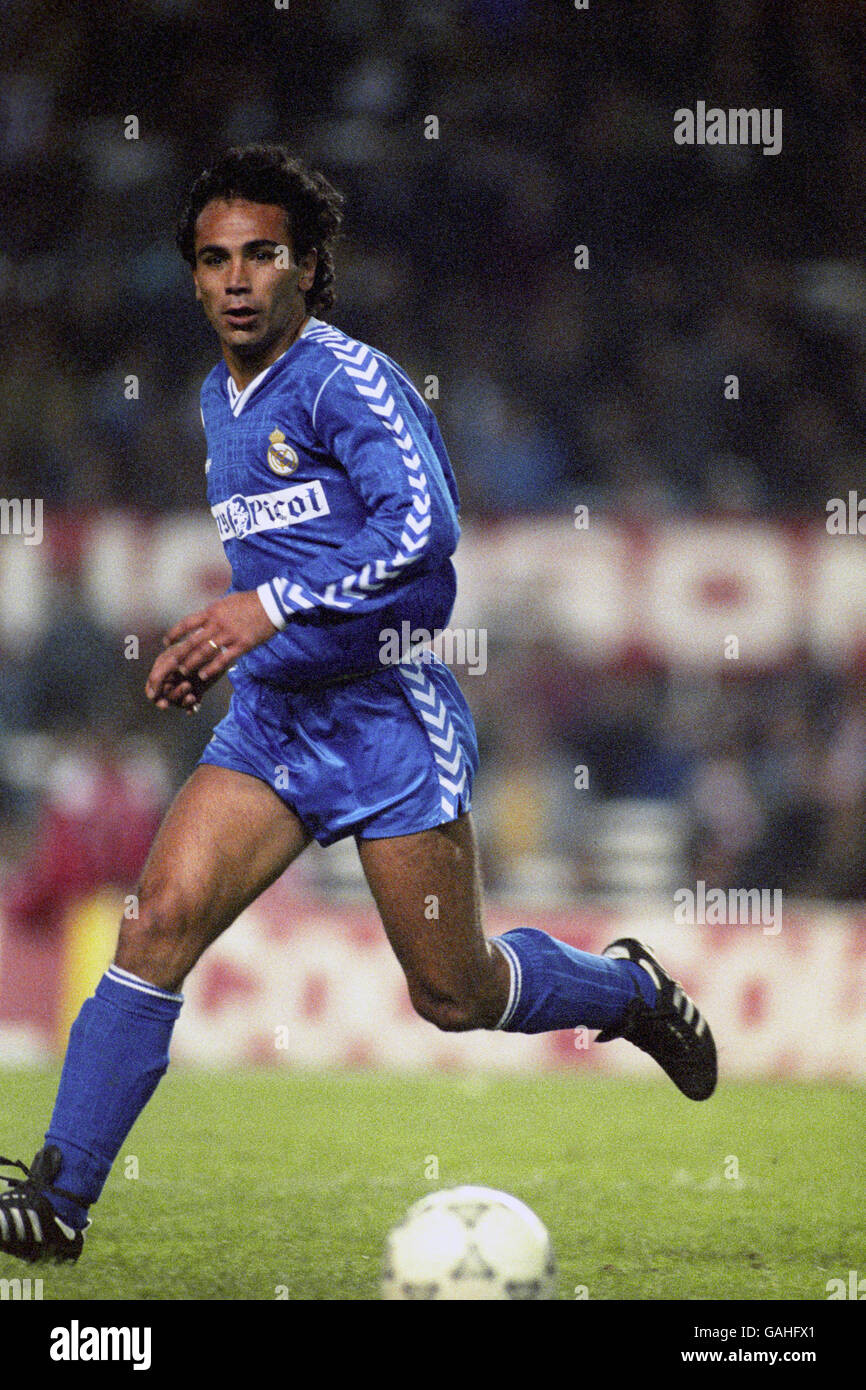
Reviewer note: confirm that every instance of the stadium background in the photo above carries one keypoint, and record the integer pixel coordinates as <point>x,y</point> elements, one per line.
<point>607,633</point>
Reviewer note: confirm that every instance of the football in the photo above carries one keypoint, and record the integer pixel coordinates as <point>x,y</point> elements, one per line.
<point>469,1243</point>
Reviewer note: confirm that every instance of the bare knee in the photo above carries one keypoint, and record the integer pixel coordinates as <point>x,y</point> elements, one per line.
<point>158,945</point>
<point>476,998</point>
<point>456,1010</point>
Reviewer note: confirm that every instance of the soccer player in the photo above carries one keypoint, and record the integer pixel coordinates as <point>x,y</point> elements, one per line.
<point>334,497</point>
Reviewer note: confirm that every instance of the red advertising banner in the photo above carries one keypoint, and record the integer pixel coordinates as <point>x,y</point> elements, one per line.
<point>301,983</point>
<point>675,592</point>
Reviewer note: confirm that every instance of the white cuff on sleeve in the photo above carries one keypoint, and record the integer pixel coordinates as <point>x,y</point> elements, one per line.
<point>270,605</point>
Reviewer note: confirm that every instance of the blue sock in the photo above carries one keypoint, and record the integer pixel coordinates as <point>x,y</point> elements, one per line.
<point>556,986</point>
<point>118,1050</point>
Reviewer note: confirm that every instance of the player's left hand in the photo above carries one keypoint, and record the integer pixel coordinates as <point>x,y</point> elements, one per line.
<point>202,646</point>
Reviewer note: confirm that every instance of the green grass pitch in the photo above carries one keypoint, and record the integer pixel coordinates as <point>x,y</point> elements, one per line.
<point>260,1184</point>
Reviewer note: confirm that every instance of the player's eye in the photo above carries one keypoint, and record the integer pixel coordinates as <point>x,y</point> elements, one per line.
<point>263,256</point>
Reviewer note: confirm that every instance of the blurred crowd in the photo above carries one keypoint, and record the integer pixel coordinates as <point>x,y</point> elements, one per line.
<point>753,780</point>
<point>479,143</point>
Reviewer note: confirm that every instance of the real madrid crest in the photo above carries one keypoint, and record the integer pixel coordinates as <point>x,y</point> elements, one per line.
<point>282,458</point>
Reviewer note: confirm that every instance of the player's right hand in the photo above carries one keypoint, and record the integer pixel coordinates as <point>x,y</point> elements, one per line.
<point>173,689</point>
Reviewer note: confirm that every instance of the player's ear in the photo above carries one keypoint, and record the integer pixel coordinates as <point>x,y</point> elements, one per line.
<point>195,282</point>
<point>308,264</point>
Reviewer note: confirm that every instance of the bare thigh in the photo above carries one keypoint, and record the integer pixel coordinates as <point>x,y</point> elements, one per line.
<point>225,838</point>
<point>427,888</point>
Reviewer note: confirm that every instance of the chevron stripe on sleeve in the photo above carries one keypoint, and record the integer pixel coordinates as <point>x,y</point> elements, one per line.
<point>365,420</point>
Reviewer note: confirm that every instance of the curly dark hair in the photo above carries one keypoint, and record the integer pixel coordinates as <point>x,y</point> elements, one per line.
<point>270,174</point>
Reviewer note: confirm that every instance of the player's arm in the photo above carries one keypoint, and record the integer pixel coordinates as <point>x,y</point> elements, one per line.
<point>411,521</point>
<point>202,646</point>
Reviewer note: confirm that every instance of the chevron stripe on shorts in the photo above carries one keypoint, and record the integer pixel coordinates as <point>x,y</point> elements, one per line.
<point>447,753</point>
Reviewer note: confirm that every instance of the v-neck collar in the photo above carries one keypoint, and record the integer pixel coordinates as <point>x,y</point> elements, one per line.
<point>238,398</point>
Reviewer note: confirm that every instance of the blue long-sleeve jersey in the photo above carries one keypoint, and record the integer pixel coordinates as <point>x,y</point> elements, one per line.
<point>335,499</point>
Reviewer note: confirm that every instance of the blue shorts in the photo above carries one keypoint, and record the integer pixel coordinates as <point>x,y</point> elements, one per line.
<point>391,753</point>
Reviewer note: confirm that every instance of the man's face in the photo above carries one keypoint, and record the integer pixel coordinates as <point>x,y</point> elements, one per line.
<point>246,276</point>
